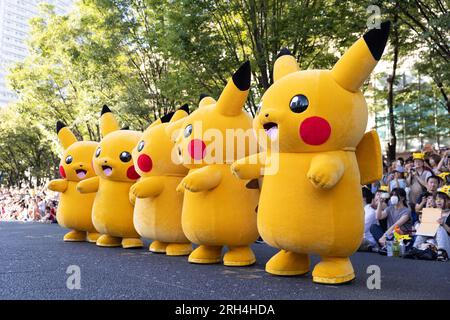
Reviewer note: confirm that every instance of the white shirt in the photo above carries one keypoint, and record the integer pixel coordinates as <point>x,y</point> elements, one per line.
<point>370,218</point>
<point>41,206</point>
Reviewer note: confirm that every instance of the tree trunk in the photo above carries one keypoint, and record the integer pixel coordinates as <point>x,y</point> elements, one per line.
<point>444,95</point>
<point>392,145</point>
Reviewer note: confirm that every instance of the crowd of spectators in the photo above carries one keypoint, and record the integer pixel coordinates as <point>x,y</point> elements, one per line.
<point>25,204</point>
<point>394,204</point>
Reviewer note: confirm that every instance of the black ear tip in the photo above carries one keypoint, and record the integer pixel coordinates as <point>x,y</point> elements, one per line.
<point>284,52</point>
<point>185,107</point>
<point>167,117</point>
<point>386,25</point>
<point>242,76</point>
<point>376,39</point>
<point>105,109</point>
<point>59,126</point>
<point>202,96</point>
<point>246,64</point>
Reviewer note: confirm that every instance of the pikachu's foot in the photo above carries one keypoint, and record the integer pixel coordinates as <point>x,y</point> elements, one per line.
<point>239,257</point>
<point>75,236</point>
<point>158,247</point>
<point>108,241</point>
<point>92,237</point>
<point>178,249</point>
<point>206,254</point>
<point>333,271</point>
<point>130,243</point>
<point>287,263</point>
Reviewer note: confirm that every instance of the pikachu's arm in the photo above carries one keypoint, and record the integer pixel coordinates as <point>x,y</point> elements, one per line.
<point>202,179</point>
<point>89,185</point>
<point>58,185</point>
<point>326,170</point>
<point>251,167</point>
<point>147,187</point>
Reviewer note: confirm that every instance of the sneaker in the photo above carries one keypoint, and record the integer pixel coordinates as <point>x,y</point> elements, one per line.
<point>374,249</point>
<point>383,251</point>
<point>442,255</point>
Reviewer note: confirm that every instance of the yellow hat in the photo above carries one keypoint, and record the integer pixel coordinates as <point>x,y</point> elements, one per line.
<point>445,190</point>
<point>418,155</point>
<point>443,175</point>
<point>384,188</point>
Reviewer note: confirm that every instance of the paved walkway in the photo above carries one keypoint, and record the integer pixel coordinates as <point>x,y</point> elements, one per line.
<point>34,261</point>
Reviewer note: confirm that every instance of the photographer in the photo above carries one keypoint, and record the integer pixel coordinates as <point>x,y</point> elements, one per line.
<point>432,187</point>
<point>398,179</point>
<point>397,214</point>
<point>443,164</point>
<point>369,218</point>
<point>433,163</point>
<point>417,178</point>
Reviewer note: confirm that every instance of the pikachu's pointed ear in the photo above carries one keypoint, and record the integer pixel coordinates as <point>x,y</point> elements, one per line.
<point>155,123</point>
<point>172,128</point>
<point>284,65</point>
<point>205,100</point>
<point>355,66</point>
<point>233,97</point>
<point>65,136</point>
<point>167,117</point>
<point>108,122</point>
<point>181,113</point>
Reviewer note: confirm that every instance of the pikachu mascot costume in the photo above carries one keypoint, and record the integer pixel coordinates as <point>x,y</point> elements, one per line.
<point>112,213</point>
<point>311,199</point>
<point>218,209</point>
<point>74,209</point>
<point>157,209</point>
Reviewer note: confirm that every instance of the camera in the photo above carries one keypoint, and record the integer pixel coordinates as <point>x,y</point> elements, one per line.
<point>385,195</point>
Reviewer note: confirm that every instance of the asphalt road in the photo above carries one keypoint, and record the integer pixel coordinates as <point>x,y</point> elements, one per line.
<point>34,261</point>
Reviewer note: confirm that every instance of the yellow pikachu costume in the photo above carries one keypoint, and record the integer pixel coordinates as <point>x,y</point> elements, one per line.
<point>157,209</point>
<point>112,213</point>
<point>74,209</point>
<point>218,209</point>
<point>312,204</point>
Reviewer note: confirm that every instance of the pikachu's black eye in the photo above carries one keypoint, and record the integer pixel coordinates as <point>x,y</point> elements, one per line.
<point>125,156</point>
<point>140,146</point>
<point>69,159</point>
<point>188,130</point>
<point>299,103</point>
<point>97,152</point>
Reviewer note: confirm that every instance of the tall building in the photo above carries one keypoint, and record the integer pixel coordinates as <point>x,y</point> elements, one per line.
<point>14,30</point>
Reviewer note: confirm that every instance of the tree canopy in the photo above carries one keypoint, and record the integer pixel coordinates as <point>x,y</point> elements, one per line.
<point>144,58</point>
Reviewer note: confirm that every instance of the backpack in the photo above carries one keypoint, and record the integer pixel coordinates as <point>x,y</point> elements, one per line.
<point>427,254</point>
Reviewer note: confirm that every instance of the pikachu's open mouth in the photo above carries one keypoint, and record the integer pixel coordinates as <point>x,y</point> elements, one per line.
<point>81,173</point>
<point>107,170</point>
<point>271,129</point>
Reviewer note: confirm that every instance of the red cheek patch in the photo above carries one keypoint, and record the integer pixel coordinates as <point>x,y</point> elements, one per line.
<point>62,172</point>
<point>196,149</point>
<point>315,131</point>
<point>145,163</point>
<point>132,174</point>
